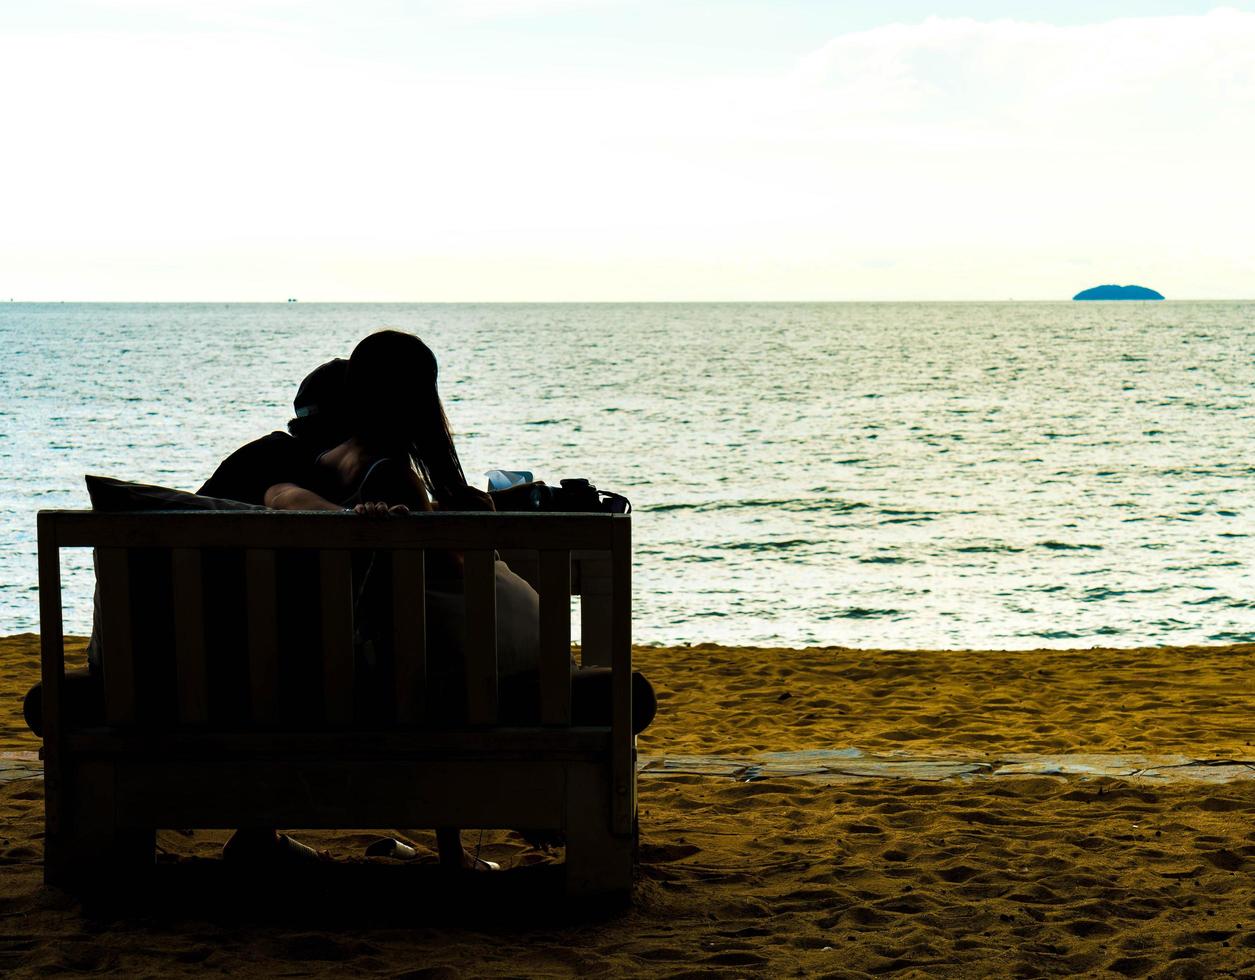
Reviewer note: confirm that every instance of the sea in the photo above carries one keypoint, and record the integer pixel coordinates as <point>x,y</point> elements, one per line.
<point>873,475</point>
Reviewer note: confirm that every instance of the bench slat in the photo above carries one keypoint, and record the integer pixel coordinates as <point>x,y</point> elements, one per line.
<point>340,791</point>
<point>481,637</point>
<point>409,635</point>
<point>595,608</point>
<point>117,654</point>
<point>290,529</point>
<point>263,635</point>
<point>52,660</point>
<point>622,768</point>
<point>337,636</point>
<point>189,636</point>
<point>555,637</point>
<point>207,746</point>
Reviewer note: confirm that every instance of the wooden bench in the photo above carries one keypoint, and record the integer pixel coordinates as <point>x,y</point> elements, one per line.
<point>109,787</point>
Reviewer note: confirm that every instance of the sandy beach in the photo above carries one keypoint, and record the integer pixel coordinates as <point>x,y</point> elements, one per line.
<point>1022,864</point>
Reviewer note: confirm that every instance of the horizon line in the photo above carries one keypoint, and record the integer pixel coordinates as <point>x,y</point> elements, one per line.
<point>584,302</point>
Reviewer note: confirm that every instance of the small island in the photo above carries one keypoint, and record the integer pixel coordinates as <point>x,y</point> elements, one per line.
<point>1118,292</point>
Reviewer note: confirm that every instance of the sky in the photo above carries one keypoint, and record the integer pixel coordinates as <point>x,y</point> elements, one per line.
<point>607,150</point>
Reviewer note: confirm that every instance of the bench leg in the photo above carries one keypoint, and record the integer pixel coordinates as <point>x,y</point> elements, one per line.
<point>87,846</point>
<point>598,862</point>
<point>449,847</point>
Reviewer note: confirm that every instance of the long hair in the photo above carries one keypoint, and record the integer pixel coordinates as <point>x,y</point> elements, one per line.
<point>394,407</point>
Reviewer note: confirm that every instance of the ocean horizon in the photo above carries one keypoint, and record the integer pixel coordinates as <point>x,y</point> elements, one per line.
<point>907,474</point>
<point>607,302</point>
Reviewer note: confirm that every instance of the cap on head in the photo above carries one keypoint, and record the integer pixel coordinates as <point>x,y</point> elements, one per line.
<point>322,390</point>
<point>321,405</point>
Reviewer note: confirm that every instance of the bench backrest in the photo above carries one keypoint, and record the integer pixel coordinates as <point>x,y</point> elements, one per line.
<point>189,552</point>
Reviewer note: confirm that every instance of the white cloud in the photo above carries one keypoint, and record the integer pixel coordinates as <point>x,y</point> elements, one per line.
<point>930,159</point>
<point>1015,75</point>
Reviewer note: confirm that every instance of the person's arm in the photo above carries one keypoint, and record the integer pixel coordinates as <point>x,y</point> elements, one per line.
<point>392,480</point>
<point>288,496</point>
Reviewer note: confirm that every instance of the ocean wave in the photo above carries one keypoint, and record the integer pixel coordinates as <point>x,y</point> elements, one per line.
<point>790,504</point>
<point>1064,546</point>
<point>861,612</point>
<point>786,545</point>
<point>1228,602</point>
<point>1098,593</point>
<point>890,515</point>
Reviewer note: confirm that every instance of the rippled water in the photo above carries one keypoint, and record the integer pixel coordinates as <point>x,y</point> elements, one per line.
<point>910,475</point>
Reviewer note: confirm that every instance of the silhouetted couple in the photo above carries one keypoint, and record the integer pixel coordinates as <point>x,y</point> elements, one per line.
<point>370,434</point>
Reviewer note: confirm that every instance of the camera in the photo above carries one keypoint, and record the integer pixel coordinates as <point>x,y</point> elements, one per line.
<point>578,496</point>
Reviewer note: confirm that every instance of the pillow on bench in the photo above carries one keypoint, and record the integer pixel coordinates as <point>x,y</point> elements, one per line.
<point>118,496</point>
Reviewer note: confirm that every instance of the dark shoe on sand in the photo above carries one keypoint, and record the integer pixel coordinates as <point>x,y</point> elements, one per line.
<point>251,847</point>
<point>390,847</point>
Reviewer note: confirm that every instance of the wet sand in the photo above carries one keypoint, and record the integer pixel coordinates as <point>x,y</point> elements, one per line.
<point>1015,876</point>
